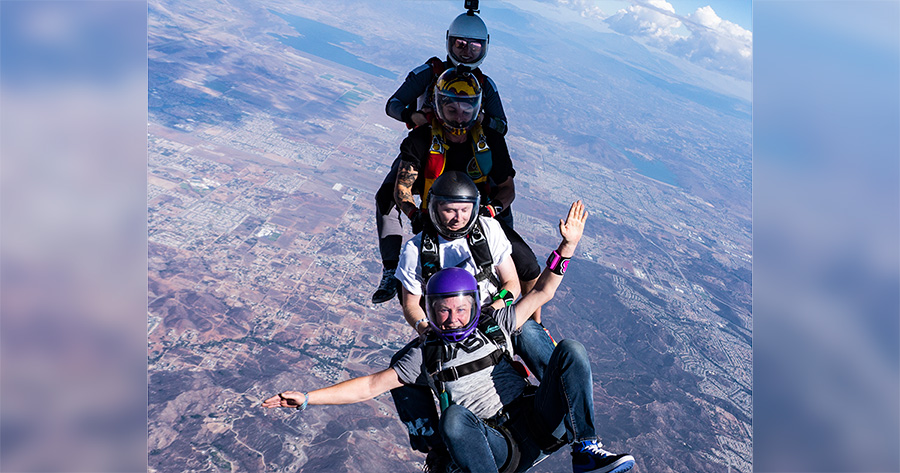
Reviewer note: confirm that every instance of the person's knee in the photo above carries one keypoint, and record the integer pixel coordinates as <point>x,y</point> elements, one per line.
<point>527,267</point>
<point>457,422</point>
<point>573,352</point>
<point>384,198</point>
<point>573,348</point>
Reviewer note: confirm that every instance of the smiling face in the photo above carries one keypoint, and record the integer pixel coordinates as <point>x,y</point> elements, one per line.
<point>453,312</point>
<point>466,50</point>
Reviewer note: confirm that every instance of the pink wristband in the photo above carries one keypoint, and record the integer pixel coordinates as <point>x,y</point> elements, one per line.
<point>557,263</point>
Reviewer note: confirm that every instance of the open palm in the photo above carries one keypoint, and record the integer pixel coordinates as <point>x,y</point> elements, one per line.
<point>573,227</point>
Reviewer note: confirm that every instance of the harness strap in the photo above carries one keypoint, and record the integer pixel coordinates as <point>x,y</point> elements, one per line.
<point>481,254</point>
<point>478,168</point>
<point>429,254</point>
<point>522,410</point>
<point>455,372</point>
<point>515,454</point>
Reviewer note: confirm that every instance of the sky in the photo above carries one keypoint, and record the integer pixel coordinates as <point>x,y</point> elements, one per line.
<point>735,11</point>
<point>715,35</point>
<point>73,140</point>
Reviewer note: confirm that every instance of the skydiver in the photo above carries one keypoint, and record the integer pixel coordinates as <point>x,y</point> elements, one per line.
<point>456,142</point>
<point>454,235</point>
<point>490,418</point>
<point>467,44</point>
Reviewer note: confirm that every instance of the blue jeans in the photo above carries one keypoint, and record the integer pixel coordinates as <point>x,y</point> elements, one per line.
<point>534,345</point>
<point>564,397</point>
<point>415,404</point>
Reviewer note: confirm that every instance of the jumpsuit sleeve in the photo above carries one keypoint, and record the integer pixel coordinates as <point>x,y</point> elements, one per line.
<point>494,116</point>
<point>502,163</point>
<point>404,102</point>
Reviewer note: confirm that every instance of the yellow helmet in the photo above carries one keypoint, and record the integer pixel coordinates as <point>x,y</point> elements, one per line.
<point>457,100</point>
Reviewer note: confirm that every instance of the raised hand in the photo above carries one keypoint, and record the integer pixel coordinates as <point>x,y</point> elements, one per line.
<point>572,229</point>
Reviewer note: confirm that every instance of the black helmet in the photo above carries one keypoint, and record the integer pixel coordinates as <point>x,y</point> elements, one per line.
<point>453,187</point>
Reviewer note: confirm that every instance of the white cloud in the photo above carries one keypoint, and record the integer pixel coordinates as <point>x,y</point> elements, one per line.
<point>716,44</point>
<point>711,42</point>
<point>586,8</point>
<point>654,20</point>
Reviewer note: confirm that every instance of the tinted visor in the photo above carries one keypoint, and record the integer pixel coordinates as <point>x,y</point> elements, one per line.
<point>466,50</point>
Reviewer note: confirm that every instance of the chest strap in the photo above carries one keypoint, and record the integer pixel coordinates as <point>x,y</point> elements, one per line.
<point>478,168</point>
<point>429,254</point>
<point>481,255</point>
<point>455,372</point>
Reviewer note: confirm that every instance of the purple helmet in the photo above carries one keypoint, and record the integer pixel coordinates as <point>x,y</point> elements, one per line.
<point>443,307</point>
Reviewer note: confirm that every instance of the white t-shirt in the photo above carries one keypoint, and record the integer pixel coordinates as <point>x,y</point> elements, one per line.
<point>454,253</point>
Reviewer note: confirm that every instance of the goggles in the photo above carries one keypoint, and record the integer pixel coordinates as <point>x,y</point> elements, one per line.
<point>466,50</point>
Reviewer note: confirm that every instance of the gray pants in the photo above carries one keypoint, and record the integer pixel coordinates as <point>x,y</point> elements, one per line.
<point>387,220</point>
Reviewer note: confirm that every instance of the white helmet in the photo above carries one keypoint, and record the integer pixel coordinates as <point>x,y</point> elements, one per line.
<point>467,40</point>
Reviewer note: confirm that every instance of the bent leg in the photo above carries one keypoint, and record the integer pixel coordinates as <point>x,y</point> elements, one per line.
<point>566,393</point>
<point>390,237</point>
<point>472,444</point>
<point>416,409</point>
<point>534,345</point>
<point>387,220</point>
<point>527,266</point>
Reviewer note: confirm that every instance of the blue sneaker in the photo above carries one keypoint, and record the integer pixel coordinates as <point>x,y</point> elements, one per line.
<point>588,456</point>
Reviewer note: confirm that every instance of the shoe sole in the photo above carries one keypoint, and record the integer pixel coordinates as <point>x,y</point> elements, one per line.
<point>621,465</point>
<point>381,301</point>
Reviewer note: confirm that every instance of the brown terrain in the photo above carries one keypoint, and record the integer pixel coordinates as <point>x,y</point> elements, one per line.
<point>263,162</point>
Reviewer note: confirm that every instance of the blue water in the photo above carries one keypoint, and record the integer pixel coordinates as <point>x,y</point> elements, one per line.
<point>321,40</point>
<point>655,169</point>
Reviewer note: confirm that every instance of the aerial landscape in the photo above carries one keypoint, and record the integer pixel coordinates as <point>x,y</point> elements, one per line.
<point>267,141</point>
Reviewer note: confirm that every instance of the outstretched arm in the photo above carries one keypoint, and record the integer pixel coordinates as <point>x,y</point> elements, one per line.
<point>346,392</point>
<point>546,285</point>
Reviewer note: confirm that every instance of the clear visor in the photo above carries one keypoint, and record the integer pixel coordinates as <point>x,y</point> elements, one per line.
<point>457,111</point>
<point>451,215</point>
<point>453,315</point>
<point>466,50</point>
